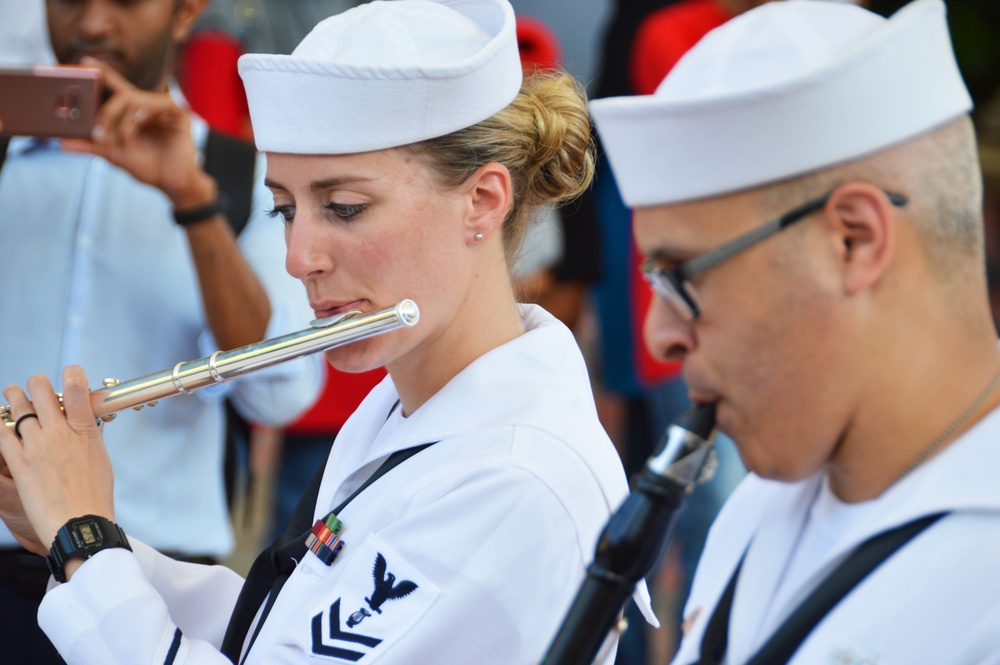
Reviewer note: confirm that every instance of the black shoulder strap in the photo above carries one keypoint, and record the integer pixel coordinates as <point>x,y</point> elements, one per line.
<point>275,564</point>
<point>715,641</point>
<point>4,142</point>
<point>231,162</point>
<point>783,644</point>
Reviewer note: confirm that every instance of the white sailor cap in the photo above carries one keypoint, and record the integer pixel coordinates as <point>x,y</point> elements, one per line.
<point>783,90</point>
<point>385,74</point>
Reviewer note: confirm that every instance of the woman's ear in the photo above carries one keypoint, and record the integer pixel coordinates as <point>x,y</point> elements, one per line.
<point>490,196</point>
<point>864,222</point>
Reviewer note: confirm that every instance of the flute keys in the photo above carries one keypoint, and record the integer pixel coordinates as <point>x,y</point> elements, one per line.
<point>109,383</point>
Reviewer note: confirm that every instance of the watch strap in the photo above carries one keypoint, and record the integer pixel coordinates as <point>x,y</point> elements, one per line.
<point>83,537</point>
<point>205,212</point>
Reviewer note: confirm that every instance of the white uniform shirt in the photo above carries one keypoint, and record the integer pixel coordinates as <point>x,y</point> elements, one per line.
<point>98,274</point>
<point>487,532</point>
<point>24,38</point>
<point>936,600</point>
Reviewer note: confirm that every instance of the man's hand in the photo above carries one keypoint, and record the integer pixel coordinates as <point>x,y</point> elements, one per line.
<point>149,135</point>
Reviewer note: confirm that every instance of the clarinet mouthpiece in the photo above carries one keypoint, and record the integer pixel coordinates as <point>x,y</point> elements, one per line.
<point>685,454</point>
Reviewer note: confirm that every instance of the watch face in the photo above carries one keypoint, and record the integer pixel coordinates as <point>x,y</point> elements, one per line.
<point>87,533</point>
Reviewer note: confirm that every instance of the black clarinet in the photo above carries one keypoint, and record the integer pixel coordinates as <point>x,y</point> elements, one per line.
<point>635,535</point>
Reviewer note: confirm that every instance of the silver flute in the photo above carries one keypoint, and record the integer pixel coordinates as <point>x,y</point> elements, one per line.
<point>221,366</point>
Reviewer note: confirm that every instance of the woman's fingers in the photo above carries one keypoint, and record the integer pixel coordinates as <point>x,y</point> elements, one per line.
<point>76,400</point>
<point>44,402</point>
<point>74,408</point>
<point>19,405</point>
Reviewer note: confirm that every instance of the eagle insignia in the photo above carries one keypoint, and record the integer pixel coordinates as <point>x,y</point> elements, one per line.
<point>386,587</point>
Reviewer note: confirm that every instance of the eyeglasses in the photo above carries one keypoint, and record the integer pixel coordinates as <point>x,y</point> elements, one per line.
<point>674,285</point>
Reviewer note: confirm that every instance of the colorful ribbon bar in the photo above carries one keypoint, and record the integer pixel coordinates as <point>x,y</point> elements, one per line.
<point>323,540</point>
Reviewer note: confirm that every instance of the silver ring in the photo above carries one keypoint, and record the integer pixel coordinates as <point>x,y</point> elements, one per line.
<point>177,379</point>
<point>17,423</point>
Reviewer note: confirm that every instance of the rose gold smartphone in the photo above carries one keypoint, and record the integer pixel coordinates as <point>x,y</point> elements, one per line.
<point>50,101</point>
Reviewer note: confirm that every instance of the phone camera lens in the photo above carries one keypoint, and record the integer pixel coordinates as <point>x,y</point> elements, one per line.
<point>69,105</point>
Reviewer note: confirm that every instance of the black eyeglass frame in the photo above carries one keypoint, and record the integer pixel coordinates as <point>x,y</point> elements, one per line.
<point>674,285</point>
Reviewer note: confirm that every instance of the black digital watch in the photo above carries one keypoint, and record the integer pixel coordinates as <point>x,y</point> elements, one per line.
<point>83,537</point>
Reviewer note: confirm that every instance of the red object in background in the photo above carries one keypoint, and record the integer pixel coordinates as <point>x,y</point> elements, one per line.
<point>207,75</point>
<point>666,35</point>
<point>340,397</point>
<point>537,44</point>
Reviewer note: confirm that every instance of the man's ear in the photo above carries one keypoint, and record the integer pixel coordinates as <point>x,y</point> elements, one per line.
<point>490,197</point>
<point>864,222</point>
<point>185,15</point>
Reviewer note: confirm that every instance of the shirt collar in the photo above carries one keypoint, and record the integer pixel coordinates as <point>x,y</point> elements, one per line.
<point>22,145</point>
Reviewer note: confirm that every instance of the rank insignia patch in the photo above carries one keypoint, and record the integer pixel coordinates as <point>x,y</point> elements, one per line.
<point>376,601</point>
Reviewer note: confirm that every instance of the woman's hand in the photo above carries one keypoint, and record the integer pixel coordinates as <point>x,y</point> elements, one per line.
<point>12,513</point>
<point>59,468</point>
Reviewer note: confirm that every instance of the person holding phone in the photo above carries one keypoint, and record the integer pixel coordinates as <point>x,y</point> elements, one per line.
<point>134,267</point>
<point>461,502</point>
